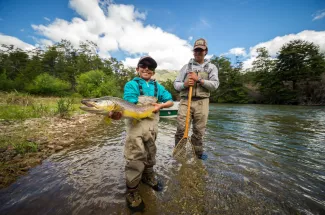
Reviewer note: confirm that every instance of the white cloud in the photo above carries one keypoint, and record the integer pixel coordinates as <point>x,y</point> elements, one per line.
<point>274,45</point>
<point>190,38</point>
<point>209,56</point>
<point>47,19</point>
<point>238,51</point>
<point>119,27</point>
<point>9,40</point>
<point>22,30</point>
<point>131,62</point>
<point>44,43</point>
<point>166,57</point>
<point>319,15</point>
<point>249,62</point>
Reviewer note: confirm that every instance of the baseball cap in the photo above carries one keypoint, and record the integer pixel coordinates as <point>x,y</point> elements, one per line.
<point>200,43</point>
<point>149,61</point>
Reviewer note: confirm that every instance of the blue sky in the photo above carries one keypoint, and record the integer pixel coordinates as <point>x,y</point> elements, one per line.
<point>226,24</point>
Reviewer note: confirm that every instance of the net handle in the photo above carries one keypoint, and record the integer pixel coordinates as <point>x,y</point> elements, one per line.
<point>188,112</point>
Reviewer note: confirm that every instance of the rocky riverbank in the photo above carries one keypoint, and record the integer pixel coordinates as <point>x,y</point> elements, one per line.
<point>26,143</point>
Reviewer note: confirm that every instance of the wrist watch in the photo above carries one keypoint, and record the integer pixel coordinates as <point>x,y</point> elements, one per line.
<point>199,80</point>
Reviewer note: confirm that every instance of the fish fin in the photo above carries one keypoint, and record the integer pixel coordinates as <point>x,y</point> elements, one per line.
<point>107,120</point>
<point>152,115</point>
<point>135,121</point>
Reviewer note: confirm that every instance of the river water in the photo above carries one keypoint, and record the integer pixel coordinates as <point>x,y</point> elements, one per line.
<point>262,160</point>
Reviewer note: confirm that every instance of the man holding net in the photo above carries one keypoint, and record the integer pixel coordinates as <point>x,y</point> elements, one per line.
<point>203,77</point>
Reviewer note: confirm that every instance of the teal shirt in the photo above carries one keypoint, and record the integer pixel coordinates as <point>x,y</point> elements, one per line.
<point>132,91</point>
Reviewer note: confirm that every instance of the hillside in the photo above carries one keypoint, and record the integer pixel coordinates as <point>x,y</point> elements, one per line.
<point>164,75</point>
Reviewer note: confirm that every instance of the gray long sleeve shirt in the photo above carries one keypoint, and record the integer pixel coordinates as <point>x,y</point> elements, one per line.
<point>206,71</point>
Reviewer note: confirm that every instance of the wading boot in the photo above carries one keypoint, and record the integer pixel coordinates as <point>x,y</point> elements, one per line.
<point>134,200</point>
<point>151,180</point>
<point>202,156</point>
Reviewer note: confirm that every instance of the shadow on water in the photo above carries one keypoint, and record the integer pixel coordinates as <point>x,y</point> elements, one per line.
<point>262,160</point>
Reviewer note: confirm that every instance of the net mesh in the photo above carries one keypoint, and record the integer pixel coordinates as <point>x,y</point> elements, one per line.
<point>184,150</point>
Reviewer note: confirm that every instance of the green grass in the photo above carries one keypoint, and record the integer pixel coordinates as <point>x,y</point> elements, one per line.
<point>18,143</point>
<point>4,142</point>
<point>19,106</point>
<point>16,138</point>
<point>25,147</point>
<point>16,112</point>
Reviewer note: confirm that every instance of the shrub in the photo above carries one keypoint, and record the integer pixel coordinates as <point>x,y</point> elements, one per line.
<point>64,106</point>
<point>96,83</point>
<point>46,84</point>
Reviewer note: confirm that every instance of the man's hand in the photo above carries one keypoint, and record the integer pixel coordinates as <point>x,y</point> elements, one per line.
<point>189,82</point>
<point>157,107</point>
<point>193,76</point>
<point>115,115</point>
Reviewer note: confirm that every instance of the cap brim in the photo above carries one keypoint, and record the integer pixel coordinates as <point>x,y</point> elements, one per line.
<point>150,60</point>
<point>200,47</point>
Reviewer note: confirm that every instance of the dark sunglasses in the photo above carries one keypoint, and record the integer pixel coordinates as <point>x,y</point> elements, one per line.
<point>143,66</point>
<point>198,50</point>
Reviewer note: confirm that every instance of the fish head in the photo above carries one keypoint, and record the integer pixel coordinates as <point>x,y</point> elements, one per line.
<point>102,106</point>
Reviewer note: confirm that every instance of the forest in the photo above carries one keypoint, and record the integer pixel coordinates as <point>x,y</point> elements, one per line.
<point>296,76</point>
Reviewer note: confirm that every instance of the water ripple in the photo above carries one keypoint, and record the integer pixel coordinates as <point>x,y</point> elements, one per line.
<point>262,160</point>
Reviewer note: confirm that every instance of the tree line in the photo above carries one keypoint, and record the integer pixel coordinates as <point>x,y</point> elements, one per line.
<point>62,70</point>
<point>295,76</point>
